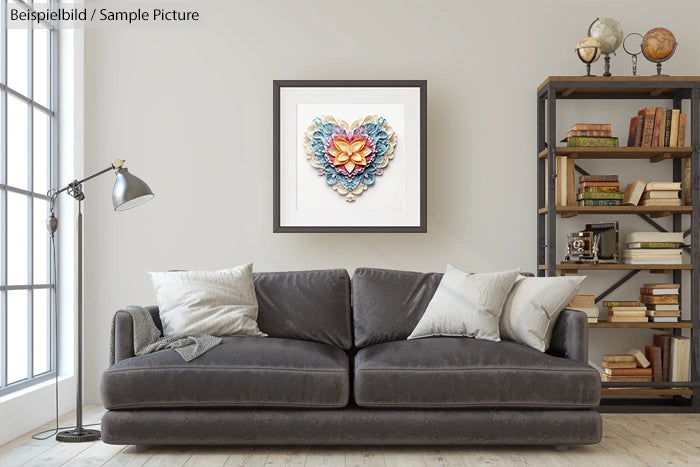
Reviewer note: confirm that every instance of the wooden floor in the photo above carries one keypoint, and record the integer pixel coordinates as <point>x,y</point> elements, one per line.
<point>652,440</point>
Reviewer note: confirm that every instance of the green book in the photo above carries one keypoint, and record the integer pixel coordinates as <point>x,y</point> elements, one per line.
<point>653,245</point>
<point>599,195</point>
<point>592,141</point>
<point>600,189</point>
<point>600,202</point>
<point>667,128</point>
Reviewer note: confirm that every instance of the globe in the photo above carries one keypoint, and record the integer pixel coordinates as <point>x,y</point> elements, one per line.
<point>609,32</point>
<point>588,49</point>
<point>658,44</point>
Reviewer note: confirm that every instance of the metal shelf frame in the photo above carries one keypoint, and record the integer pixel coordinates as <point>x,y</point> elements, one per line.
<point>676,89</point>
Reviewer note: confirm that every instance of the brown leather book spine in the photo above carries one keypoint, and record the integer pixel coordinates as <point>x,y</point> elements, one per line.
<point>664,299</point>
<point>663,341</point>
<point>633,131</point>
<point>648,131</point>
<point>659,121</point>
<point>681,130</point>
<point>653,354</point>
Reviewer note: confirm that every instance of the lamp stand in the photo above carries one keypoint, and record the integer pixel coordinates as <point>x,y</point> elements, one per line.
<point>79,434</point>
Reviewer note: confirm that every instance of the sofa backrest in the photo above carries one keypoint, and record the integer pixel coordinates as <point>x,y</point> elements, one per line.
<point>387,304</point>
<point>306,305</point>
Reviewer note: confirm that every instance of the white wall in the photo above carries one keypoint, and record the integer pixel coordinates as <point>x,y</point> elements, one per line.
<point>191,111</point>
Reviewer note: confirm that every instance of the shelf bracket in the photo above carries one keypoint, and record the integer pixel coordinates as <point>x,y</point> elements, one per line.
<point>660,157</point>
<point>617,284</point>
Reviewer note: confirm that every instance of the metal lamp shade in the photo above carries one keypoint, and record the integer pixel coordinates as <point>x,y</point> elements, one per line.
<point>129,191</point>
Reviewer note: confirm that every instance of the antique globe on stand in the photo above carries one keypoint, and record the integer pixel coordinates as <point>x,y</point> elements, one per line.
<point>609,33</point>
<point>658,45</point>
<point>588,51</point>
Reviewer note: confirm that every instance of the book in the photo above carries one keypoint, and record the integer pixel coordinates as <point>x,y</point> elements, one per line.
<point>681,130</point>
<point>628,371</point>
<point>664,313</point>
<point>600,189</point>
<point>653,245</point>
<point>609,303</point>
<point>648,129</point>
<point>680,359</point>
<point>663,341</point>
<point>632,136</point>
<point>659,120</point>
<point>589,184</point>
<point>686,183</point>
<point>621,309</point>
<point>667,129</point>
<point>656,299</point>
<point>582,300</point>
<point>645,291</point>
<point>591,311</point>
<point>617,365</point>
<point>599,195</point>
<point>676,237</point>
<point>678,259</point>
<point>653,354</point>
<point>619,358</point>
<point>626,379</point>
<point>607,133</point>
<point>673,186</point>
<point>633,193</point>
<point>639,356</point>
<point>663,319</point>
<point>640,126</point>
<point>664,285</point>
<point>591,141</point>
<point>663,307</point>
<point>673,138</point>
<point>592,126</point>
<point>627,319</point>
<point>660,202</point>
<point>600,202</point>
<point>592,319</point>
<point>561,180</point>
<point>660,194</point>
<point>652,251</point>
<point>570,167</point>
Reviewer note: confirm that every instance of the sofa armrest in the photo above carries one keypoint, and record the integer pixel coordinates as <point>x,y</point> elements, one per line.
<point>570,336</point>
<point>124,333</point>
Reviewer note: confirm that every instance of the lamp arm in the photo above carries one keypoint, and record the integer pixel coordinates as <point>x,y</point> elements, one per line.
<point>117,164</point>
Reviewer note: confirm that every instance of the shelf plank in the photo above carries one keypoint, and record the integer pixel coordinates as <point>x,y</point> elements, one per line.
<point>646,392</point>
<point>655,211</point>
<point>652,154</point>
<point>648,325</point>
<point>641,86</point>
<point>618,267</point>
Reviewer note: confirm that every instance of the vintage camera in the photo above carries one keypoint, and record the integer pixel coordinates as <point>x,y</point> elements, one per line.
<point>597,243</point>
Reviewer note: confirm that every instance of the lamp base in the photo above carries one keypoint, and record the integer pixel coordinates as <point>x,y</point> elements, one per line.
<point>78,436</point>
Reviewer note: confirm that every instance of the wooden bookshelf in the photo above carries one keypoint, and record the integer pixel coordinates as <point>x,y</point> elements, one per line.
<point>631,391</point>
<point>653,211</point>
<point>651,154</point>
<point>648,325</point>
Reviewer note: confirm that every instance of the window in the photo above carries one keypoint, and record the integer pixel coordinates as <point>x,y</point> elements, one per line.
<point>27,171</point>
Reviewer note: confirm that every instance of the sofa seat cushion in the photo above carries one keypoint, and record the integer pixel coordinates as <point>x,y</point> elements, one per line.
<point>461,372</point>
<point>241,371</point>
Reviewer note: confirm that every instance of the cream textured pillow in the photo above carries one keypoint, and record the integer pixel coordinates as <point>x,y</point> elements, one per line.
<point>533,307</point>
<point>220,303</point>
<point>466,304</point>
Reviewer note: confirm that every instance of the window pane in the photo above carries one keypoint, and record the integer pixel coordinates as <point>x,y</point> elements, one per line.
<point>17,59</point>
<point>42,328</point>
<point>41,152</point>
<point>41,65</point>
<point>41,242</point>
<point>17,238</point>
<point>16,335</point>
<point>17,150</point>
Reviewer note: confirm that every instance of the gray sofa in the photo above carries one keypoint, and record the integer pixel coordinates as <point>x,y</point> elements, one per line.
<point>337,369</point>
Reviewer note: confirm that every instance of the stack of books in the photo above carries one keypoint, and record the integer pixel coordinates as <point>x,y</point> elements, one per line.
<point>591,135</point>
<point>599,190</point>
<point>661,301</point>
<point>654,127</point>
<point>661,194</point>
<point>629,367</point>
<point>671,362</point>
<point>653,248</point>
<point>585,303</point>
<point>626,312</point>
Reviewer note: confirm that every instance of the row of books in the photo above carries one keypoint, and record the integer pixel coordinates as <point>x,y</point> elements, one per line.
<point>655,127</point>
<point>668,359</point>
<point>585,303</point>
<point>639,193</point>
<point>591,135</point>
<point>653,248</point>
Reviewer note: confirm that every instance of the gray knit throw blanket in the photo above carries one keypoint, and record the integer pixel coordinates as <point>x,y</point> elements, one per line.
<point>147,337</point>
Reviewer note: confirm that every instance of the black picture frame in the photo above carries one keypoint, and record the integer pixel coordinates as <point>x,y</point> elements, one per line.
<point>421,85</point>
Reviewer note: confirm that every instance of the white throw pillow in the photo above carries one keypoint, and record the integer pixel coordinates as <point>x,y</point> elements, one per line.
<point>533,307</point>
<point>466,304</point>
<point>220,303</point>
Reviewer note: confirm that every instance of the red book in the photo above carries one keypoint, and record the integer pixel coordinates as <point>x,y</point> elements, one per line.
<point>663,341</point>
<point>648,128</point>
<point>633,131</point>
<point>659,123</point>
<point>681,130</point>
<point>653,354</point>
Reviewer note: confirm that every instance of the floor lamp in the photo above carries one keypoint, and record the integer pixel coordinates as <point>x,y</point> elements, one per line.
<point>129,191</point>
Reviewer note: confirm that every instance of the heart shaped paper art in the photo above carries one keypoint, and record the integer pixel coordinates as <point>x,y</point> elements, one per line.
<point>350,157</point>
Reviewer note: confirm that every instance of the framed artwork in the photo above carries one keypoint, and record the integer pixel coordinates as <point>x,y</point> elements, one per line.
<point>349,156</point>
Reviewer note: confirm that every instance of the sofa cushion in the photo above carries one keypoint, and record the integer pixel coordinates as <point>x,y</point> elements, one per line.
<point>241,371</point>
<point>387,305</point>
<point>307,305</point>
<point>459,372</point>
